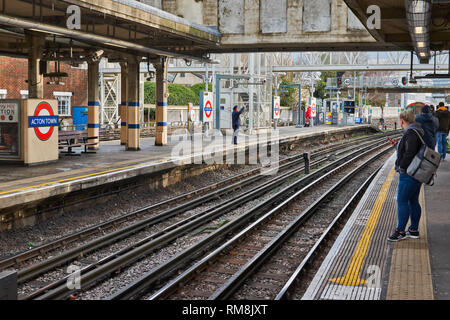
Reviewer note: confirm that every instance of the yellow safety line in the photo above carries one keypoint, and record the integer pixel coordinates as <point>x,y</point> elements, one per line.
<point>68,179</point>
<point>352,275</point>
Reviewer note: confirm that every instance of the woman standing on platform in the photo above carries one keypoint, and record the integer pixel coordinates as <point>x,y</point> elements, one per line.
<point>408,187</point>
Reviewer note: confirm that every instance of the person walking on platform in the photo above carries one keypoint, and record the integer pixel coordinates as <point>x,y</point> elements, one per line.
<point>408,187</point>
<point>308,117</point>
<point>443,115</point>
<point>429,124</point>
<point>236,122</point>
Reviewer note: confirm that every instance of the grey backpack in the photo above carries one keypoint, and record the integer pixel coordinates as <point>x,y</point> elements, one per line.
<point>425,164</point>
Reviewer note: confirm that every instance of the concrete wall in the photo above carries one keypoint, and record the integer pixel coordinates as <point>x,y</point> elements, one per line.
<point>246,22</point>
<point>189,79</point>
<point>153,3</point>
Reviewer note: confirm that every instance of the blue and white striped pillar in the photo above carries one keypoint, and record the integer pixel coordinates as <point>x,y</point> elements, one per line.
<point>93,104</point>
<point>133,114</point>
<point>161,101</point>
<point>124,102</point>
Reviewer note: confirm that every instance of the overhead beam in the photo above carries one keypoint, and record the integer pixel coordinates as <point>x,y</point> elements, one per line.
<point>360,9</point>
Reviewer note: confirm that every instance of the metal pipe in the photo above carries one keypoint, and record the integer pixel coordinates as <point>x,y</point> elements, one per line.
<point>101,40</point>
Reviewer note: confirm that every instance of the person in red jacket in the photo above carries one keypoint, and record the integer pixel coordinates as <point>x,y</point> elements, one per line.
<point>308,117</point>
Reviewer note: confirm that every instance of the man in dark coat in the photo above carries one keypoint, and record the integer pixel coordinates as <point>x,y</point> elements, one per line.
<point>443,115</point>
<point>236,122</point>
<point>429,124</point>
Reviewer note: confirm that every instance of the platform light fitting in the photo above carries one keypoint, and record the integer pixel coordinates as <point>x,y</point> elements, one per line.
<point>48,32</point>
<point>418,30</point>
<point>115,45</point>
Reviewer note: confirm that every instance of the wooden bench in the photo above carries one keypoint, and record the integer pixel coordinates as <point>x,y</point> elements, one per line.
<point>68,139</point>
<point>85,141</point>
<point>75,139</point>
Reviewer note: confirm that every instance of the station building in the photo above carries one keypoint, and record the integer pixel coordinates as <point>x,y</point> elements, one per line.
<point>72,91</point>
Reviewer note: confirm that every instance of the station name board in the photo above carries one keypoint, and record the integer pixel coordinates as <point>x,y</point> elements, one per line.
<point>43,121</point>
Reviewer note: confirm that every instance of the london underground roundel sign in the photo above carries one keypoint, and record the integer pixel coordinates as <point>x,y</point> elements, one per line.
<point>43,121</point>
<point>208,107</point>
<point>276,107</point>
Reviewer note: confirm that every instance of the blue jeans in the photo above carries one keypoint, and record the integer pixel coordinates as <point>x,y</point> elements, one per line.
<point>408,202</point>
<point>441,138</point>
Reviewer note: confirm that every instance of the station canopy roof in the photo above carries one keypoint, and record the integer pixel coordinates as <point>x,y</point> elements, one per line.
<point>419,25</point>
<point>116,27</point>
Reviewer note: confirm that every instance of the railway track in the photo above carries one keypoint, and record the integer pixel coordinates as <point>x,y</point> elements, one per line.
<point>98,270</point>
<point>222,272</point>
<point>215,191</point>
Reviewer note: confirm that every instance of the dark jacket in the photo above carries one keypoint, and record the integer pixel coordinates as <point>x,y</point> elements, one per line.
<point>408,147</point>
<point>429,126</point>
<point>444,119</point>
<point>236,119</point>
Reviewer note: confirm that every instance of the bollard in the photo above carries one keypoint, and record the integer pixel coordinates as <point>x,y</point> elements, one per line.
<point>306,158</point>
<point>8,285</point>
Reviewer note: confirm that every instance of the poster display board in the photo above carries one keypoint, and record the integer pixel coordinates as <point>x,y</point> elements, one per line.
<point>10,129</point>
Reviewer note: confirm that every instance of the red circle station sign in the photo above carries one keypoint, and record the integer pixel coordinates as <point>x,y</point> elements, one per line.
<point>43,109</point>
<point>277,108</point>
<point>208,109</point>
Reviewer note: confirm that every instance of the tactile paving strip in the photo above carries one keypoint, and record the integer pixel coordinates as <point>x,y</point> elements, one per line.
<point>410,275</point>
<point>355,264</point>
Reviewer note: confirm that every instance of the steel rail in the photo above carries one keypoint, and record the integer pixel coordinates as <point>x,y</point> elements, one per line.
<point>232,285</point>
<point>26,274</point>
<point>349,206</point>
<point>11,261</point>
<point>137,252</point>
<point>172,232</point>
<point>208,259</point>
<point>289,192</point>
<point>39,268</point>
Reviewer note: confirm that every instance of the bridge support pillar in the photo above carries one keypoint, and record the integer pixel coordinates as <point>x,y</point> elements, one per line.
<point>161,101</point>
<point>93,104</point>
<point>123,103</point>
<point>133,118</point>
<point>35,79</point>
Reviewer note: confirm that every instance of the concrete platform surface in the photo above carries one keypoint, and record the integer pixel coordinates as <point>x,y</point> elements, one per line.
<point>112,163</point>
<point>363,265</point>
<point>437,200</point>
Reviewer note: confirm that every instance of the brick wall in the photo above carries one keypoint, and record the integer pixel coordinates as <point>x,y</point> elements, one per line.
<point>14,72</point>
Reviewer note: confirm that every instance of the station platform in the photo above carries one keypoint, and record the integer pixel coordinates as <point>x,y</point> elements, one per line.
<point>363,265</point>
<point>112,163</point>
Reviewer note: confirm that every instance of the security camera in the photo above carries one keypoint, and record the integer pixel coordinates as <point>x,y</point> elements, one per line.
<point>151,75</point>
<point>95,56</point>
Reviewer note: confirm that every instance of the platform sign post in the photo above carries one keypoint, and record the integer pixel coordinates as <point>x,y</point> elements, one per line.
<point>276,110</point>
<point>40,131</point>
<point>206,109</point>
<point>313,104</point>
